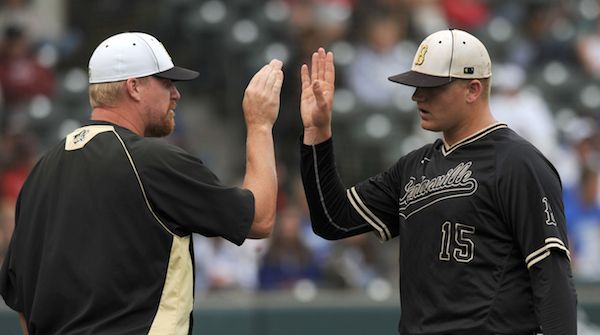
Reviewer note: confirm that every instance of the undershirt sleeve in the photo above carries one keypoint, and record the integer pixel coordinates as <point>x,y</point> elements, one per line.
<point>554,295</point>
<point>337,212</point>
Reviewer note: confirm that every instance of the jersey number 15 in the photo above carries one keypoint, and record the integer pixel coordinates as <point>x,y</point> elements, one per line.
<point>463,247</point>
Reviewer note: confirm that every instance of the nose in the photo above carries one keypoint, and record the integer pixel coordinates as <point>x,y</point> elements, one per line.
<point>175,93</point>
<point>418,95</point>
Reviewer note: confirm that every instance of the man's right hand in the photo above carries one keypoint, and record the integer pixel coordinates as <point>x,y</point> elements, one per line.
<point>261,107</point>
<point>316,103</point>
<point>261,98</point>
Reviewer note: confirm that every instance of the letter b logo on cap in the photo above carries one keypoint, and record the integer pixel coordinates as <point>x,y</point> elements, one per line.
<point>421,57</point>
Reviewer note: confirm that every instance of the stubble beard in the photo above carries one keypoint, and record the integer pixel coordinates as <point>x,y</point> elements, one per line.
<point>162,127</point>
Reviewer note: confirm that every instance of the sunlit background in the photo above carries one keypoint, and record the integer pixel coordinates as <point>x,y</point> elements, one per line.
<point>546,86</point>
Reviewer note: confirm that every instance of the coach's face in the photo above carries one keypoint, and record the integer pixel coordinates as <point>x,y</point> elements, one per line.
<point>442,108</point>
<point>161,97</point>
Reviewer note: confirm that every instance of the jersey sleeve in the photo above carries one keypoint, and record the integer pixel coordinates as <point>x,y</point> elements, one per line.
<point>188,197</point>
<point>530,190</point>
<point>376,201</point>
<point>531,202</point>
<point>337,212</point>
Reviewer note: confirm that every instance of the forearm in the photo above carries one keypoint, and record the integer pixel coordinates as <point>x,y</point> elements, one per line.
<point>554,295</point>
<point>23,324</point>
<point>331,214</point>
<point>261,179</point>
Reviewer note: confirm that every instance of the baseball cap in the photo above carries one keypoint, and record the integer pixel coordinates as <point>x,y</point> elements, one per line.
<point>445,55</point>
<point>133,55</point>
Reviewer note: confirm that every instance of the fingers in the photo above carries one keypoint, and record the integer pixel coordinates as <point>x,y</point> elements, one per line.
<point>318,65</point>
<point>321,64</point>
<point>322,67</point>
<point>304,76</point>
<point>268,76</point>
<point>319,95</point>
<point>271,74</point>
<point>329,68</point>
<point>276,64</point>
<point>275,76</point>
<point>261,98</point>
<point>258,80</point>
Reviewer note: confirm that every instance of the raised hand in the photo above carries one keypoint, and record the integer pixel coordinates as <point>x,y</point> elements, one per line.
<point>316,103</point>
<point>262,96</point>
<point>261,107</point>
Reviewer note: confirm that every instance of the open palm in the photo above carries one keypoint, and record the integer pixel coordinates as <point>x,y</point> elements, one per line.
<point>316,102</point>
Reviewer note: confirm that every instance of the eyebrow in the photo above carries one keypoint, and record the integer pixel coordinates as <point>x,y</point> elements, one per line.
<point>164,81</point>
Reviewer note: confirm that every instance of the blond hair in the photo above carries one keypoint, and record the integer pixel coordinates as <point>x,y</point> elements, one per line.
<point>487,87</point>
<point>105,94</point>
<point>109,94</point>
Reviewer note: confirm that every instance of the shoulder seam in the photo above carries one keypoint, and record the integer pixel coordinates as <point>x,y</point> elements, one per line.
<point>139,180</point>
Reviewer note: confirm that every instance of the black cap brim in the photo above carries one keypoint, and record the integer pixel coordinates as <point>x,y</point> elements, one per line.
<point>417,79</point>
<point>178,74</point>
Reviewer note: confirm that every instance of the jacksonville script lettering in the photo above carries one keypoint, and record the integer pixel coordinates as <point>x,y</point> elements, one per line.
<point>458,181</point>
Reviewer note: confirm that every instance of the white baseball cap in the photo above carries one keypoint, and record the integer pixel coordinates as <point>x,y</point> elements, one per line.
<point>444,56</point>
<point>133,55</point>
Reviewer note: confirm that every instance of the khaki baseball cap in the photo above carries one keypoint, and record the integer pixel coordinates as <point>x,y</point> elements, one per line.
<point>133,55</point>
<point>444,56</point>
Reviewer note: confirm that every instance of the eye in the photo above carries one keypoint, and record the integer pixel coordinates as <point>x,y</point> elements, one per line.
<point>167,83</point>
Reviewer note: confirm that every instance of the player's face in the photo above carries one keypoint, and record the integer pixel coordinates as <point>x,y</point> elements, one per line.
<point>161,99</point>
<point>442,108</point>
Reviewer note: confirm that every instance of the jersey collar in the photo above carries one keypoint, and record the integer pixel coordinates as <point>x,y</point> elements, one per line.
<point>447,149</point>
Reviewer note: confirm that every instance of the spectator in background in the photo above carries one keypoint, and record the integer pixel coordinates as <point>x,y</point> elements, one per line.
<point>466,14</point>
<point>21,153</point>
<point>383,50</point>
<point>22,77</point>
<point>288,259</point>
<point>355,262</point>
<point>582,210</point>
<point>44,19</point>
<point>319,22</point>
<point>20,13</point>
<point>427,16</point>
<point>533,118</point>
<point>535,44</point>
<point>221,265</point>
<point>588,51</point>
<point>579,168</point>
<point>581,149</point>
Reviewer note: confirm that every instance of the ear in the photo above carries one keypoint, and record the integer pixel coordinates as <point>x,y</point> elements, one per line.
<point>474,91</point>
<point>133,87</point>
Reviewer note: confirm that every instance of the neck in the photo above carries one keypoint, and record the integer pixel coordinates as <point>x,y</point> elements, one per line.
<point>118,116</point>
<point>468,127</point>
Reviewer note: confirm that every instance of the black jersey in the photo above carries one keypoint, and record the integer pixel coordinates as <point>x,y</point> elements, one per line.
<point>102,237</point>
<point>472,219</point>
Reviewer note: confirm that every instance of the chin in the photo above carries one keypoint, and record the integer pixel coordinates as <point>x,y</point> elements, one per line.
<point>428,126</point>
<point>162,130</point>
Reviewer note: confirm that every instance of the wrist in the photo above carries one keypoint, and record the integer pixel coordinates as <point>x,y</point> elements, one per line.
<point>313,135</point>
<point>259,129</point>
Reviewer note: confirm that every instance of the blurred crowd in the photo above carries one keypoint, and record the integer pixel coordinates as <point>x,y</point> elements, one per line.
<point>546,86</point>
